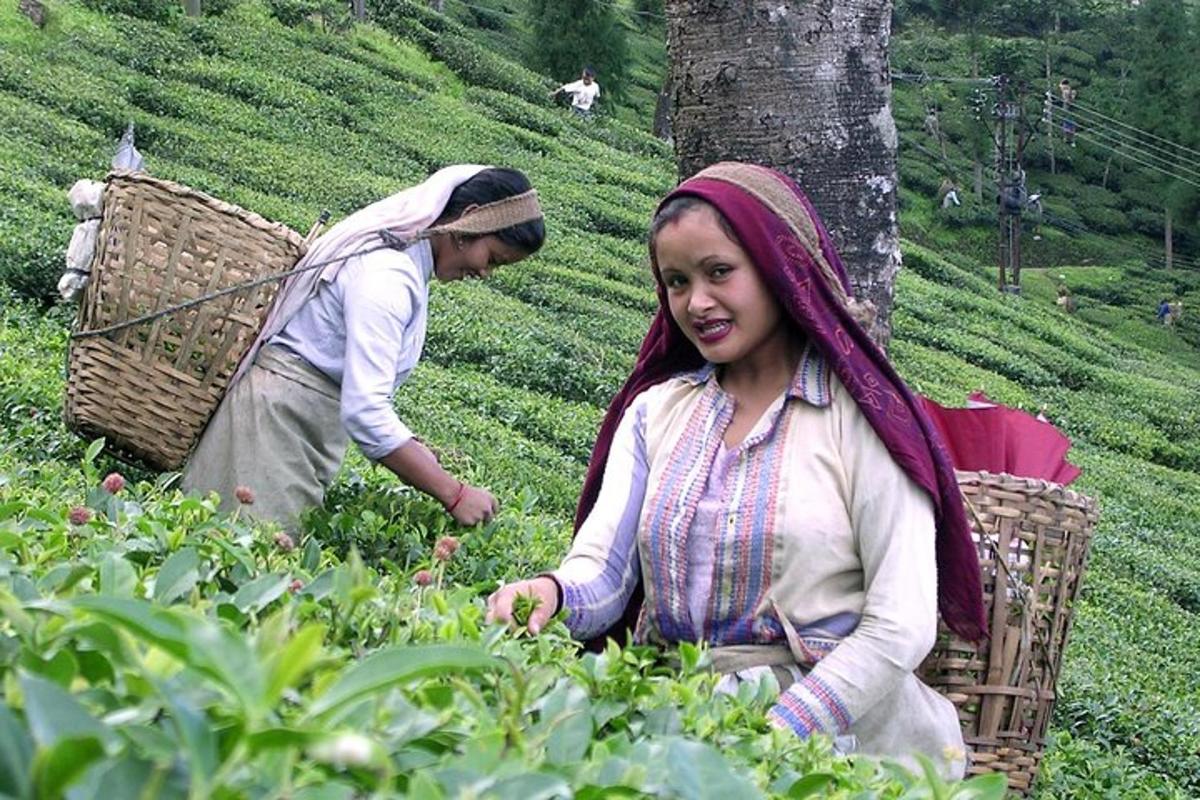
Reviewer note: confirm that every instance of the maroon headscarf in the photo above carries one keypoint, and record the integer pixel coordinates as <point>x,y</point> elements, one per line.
<point>780,230</point>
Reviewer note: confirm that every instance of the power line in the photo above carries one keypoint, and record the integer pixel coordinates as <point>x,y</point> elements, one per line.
<point>1131,127</point>
<point>1147,148</point>
<point>923,78</point>
<point>1103,137</point>
<point>1088,138</point>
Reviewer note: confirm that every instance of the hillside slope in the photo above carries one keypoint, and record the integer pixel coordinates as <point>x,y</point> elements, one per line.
<point>288,121</point>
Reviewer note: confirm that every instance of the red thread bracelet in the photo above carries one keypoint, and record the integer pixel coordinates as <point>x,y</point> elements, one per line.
<point>462,490</point>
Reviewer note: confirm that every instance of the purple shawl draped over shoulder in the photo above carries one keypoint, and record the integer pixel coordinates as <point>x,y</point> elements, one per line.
<point>780,230</point>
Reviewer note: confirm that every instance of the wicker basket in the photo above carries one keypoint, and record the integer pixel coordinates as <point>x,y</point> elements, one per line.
<point>150,388</point>
<point>1033,539</point>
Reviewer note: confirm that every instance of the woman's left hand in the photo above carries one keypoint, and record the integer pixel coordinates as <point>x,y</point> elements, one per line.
<point>473,506</point>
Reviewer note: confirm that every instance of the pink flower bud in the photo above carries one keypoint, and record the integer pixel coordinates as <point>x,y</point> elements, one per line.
<point>423,578</point>
<point>284,542</point>
<point>296,586</point>
<point>445,548</point>
<point>244,495</point>
<point>114,483</point>
<point>80,515</point>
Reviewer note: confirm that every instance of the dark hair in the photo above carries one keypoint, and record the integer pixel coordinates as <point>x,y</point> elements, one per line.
<point>676,208</point>
<point>488,186</point>
<point>591,73</point>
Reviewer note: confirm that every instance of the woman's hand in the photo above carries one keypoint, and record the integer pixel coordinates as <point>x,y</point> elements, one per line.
<point>542,591</point>
<point>473,505</point>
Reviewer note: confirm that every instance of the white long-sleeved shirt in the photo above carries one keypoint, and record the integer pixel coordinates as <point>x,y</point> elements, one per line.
<point>582,94</point>
<point>365,330</point>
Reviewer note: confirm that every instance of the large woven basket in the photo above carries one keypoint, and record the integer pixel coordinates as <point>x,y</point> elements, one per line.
<point>1033,540</point>
<point>149,388</point>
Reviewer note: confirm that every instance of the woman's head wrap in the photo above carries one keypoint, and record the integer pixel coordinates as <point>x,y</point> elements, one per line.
<point>780,230</point>
<point>403,217</point>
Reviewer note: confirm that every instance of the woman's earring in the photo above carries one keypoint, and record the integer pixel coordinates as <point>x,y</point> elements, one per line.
<point>458,242</point>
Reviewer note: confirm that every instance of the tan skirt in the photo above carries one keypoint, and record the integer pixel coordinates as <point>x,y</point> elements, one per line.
<point>279,433</point>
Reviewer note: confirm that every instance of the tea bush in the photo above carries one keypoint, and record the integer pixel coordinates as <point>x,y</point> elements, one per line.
<point>152,647</point>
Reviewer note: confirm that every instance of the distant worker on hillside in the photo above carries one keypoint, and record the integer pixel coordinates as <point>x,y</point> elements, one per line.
<point>933,127</point>
<point>1175,312</point>
<point>583,92</point>
<point>1164,310</point>
<point>1065,301</point>
<point>1067,94</point>
<point>948,194</point>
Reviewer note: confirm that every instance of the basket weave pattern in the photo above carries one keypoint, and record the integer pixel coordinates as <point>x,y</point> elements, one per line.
<point>150,388</point>
<point>1033,539</point>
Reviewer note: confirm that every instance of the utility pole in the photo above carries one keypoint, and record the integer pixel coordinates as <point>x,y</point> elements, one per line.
<point>1011,131</point>
<point>1003,113</point>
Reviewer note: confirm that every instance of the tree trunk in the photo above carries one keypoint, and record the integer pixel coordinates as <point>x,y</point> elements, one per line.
<point>359,9</point>
<point>438,5</point>
<point>803,87</point>
<point>662,112</point>
<point>191,7</point>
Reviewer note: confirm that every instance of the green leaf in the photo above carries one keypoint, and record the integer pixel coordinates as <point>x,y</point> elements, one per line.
<point>296,659</point>
<point>809,784</point>
<point>16,753</point>
<point>320,587</point>
<point>261,592</point>
<point>275,738</point>
<point>207,647</point>
<point>58,766</point>
<point>117,577</point>
<point>238,554</point>
<point>196,735</point>
<point>532,786</point>
<point>141,619</point>
<point>982,787</point>
<point>93,450</point>
<point>63,577</point>
<point>700,771</point>
<point>387,668</point>
<point>53,714</point>
<point>10,540</point>
<point>331,791</point>
<point>311,559</point>
<point>60,668</point>
<point>177,576</point>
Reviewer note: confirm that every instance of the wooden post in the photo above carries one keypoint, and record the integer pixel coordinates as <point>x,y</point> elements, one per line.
<point>1168,236</point>
<point>191,7</point>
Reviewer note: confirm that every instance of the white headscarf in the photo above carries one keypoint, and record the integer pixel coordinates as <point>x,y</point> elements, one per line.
<point>403,215</point>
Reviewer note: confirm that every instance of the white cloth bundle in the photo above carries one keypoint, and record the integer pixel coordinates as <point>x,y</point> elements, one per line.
<point>86,198</point>
<point>79,260</point>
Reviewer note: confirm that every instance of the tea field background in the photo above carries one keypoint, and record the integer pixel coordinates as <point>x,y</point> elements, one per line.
<point>150,647</point>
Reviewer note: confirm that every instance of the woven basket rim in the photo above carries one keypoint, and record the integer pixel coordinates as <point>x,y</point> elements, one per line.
<point>1030,486</point>
<point>249,217</point>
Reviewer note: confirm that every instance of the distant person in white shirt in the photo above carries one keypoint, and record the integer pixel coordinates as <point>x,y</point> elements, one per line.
<point>583,92</point>
<point>340,339</point>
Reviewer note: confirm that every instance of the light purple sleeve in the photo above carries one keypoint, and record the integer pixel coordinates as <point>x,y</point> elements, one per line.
<point>602,569</point>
